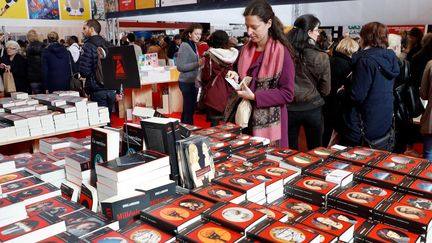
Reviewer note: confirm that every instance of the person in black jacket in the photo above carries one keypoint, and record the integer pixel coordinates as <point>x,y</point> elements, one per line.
<point>55,65</point>
<point>34,62</point>
<point>415,36</point>
<point>341,70</point>
<point>174,47</point>
<point>13,61</point>
<point>371,91</point>
<point>419,60</point>
<point>88,64</point>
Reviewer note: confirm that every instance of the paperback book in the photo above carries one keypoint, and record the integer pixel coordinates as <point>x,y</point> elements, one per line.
<point>140,231</point>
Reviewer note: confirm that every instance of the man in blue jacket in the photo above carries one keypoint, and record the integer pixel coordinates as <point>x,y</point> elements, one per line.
<point>88,65</point>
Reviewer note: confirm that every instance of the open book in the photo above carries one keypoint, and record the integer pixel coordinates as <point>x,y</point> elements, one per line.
<point>237,86</point>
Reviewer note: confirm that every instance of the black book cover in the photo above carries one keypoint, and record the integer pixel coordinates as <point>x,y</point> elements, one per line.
<point>83,158</point>
<point>86,197</point>
<point>66,191</point>
<point>126,210</point>
<point>161,191</point>
<point>99,151</point>
<point>129,161</point>
<point>133,139</point>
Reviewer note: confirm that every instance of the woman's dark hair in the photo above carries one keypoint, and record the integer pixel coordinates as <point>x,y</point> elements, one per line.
<point>73,39</point>
<point>219,39</point>
<point>298,36</point>
<point>374,34</point>
<point>416,33</point>
<point>264,11</point>
<point>190,29</point>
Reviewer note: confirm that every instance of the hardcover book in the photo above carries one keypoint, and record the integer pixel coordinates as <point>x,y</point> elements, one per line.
<point>217,193</point>
<point>83,222</point>
<point>208,232</point>
<point>191,203</point>
<point>379,178</point>
<point>251,155</point>
<point>376,232</point>
<point>133,139</point>
<point>271,213</point>
<point>57,206</point>
<point>321,152</point>
<point>360,155</point>
<point>300,161</point>
<point>310,189</point>
<point>280,154</point>
<point>230,127</point>
<point>233,216</point>
<point>143,232</point>
<point>251,187</point>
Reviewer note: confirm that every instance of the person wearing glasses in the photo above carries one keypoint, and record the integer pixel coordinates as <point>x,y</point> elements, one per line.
<point>312,82</point>
<point>13,61</point>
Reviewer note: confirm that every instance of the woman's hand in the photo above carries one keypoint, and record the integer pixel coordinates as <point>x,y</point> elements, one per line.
<point>232,75</point>
<point>246,93</point>
<point>201,61</point>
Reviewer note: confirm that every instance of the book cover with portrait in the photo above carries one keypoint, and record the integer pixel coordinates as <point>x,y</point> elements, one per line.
<point>233,216</point>
<point>60,154</point>
<point>342,165</point>
<point>208,232</point>
<point>407,217</point>
<point>379,178</point>
<point>168,217</point>
<point>344,230</point>
<point>227,167</point>
<point>220,156</point>
<point>319,171</point>
<point>251,155</point>
<point>106,235</point>
<point>267,163</point>
<point>63,237</point>
<point>284,173</point>
<point>310,189</point>
<point>376,232</point>
<point>19,175</point>
<point>230,127</point>
<point>223,136</point>
<point>423,171</point>
<point>290,214</point>
<point>271,213</point>
<point>324,237</point>
<point>400,164</point>
<point>191,203</point>
<point>275,231</point>
<point>207,131</point>
<point>218,146</point>
<point>272,183</point>
<point>239,144</point>
<point>32,229</point>
<point>14,186</point>
<point>280,154</point>
<point>415,201</point>
<point>321,152</point>
<point>217,193</point>
<point>57,206</point>
<point>34,194</point>
<point>140,231</point>
<point>343,216</point>
<point>300,161</point>
<point>249,186</point>
<point>295,205</point>
<point>360,155</point>
<point>83,222</point>
<point>417,187</point>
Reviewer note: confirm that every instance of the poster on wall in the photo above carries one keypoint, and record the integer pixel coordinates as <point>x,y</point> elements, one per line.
<point>111,6</point>
<point>126,5</point>
<point>142,4</point>
<point>352,31</point>
<point>13,9</point>
<point>43,9</point>
<point>119,69</point>
<point>167,3</point>
<point>400,29</point>
<point>98,9</point>
<point>75,9</point>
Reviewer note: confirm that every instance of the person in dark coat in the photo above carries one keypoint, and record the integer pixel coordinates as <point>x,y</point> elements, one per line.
<point>174,47</point>
<point>16,63</point>
<point>34,62</point>
<point>371,91</point>
<point>341,70</point>
<point>56,72</point>
<point>415,36</point>
<point>419,60</point>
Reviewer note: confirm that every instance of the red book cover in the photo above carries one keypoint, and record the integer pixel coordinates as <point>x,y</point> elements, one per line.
<point>399,164</point>
<point>324,236</point>
<point>125,5</point>
<point>385,233</point>
<point>64,237</point>
<point>223,136</point>
<point>23,160</point>
<point>321,152</point>
<point>374,190</point>
<point>290,213</point>
<point>60,154</point>
<point>343,166</point>
<point>43,168</point>
<point>423,186</point>
<point>295,205</point>
<point>271,213</point>
<point>283,173</point>
<point>192,203</point>
<point>230,127</point>
<point>382,178</point>
<point>407,217</point>
<point>18,185</point>
<point>82,222</point>
<point>219,146</point>
<point>319,172</point>
<point>326,223</point>
<point>316,185</point>
<point>282,153</point>
<point>418,202</point>
<point>264,177</point>
<point>244,137</point>
<point>339,215</point>
<point>14,176</point>
<point>239,183</point>
<point>57,206</point>
<point>239,144</point>
<point>228,167</point>
<point>357,197</point>
<point>142,232</point>
<point>217,193</point>
<point>107,235</point>
<point>275,231</point>
<point>32,192</point>
<point>234,216</point>
<point>426,174</point>
<point>302,160</point>
<point>360,155</point>
<point>220,156</point>
<point>267,163</point>
<point>207,132</point>
<point>250,154</point>
<point>208,232</point>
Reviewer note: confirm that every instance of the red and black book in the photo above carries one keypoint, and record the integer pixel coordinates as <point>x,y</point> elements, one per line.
<point>267,163</point>
<point>143,232</point>
<point>217,193</point>
<point>34,194</point>
<point>220,156</point>
<point>83,222</point>
<point>339,215</point>
<point>229,167</point>
<point>79,161</point>
<point>272,183</point>
<point>64,237</point>
<point>88,197</point>
<point>280,154</point>
<point>233,216</point>
<point>295,205</point>
<point>186,130</point>
<point>271,213</point>
<point>285,174</point>
<point>61,154</point>
<point>275,231</point>
<point>208,232</point>
<point>25,159</point>
<point>207,132</point>
<point>251,187</point>
<point>132,140</point>
<point>412,200</point>
<point>46,171</point>
<point>32,229</point>
<point>341,229</point>
<point>230,127</point>
<point>57,206</point>
<point>376,232</point>
<point>319,171</point>
<point>360,155</point>
<point>311,190</point>
<point>340,177</point>
<point>321,152</point>
<point>191,203</point>
<point>399,164</point>
<point>15,176</point>
<point>239,145</point>
<point>251,155</point>
<point>300,161</point>
<point>168,217</point>
<point>403,216</point>
<point>423,171</point>
<point>218,146</point>
<point>290,214</point>
<point>125,208</point>
<point>416,187</point>
<point>325,237</point>
<point>379,178</point>
<point>104,235</point>
<point>342,165</point>
<point>15,186</point>
<point>223,136</point>
<point>360,200</point>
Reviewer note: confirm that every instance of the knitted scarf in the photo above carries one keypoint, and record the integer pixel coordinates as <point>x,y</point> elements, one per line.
<point>265,121</point>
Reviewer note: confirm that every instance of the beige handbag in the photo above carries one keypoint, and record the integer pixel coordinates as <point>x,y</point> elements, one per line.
<point>9,83</point>
<point>243,113</point>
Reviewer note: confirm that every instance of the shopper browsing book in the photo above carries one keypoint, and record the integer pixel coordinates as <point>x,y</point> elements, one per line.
<point>267,59</point>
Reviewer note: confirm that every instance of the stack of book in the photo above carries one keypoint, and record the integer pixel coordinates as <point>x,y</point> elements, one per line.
<point>20,124</point>
<point>77,167</point>
<point>104,116</point>
<point>140,231</point>
<point>47,172</point>
<point>93,113</point>
<point>81,143</point>
<point>310,189</point>
<point>7,130</point>
<point>7,164</point>
<point>80,105</point>
<point>105,146</point>
<point>47,145</point>
<point>34,122</point>
<point>253,188</point>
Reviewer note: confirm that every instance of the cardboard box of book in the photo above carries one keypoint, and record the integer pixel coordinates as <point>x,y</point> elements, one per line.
<point>204,231</point>
<point>376,232</point>
<point>360,155</point>
<point>310,189</point>
<point>379,178</point>
<point>358,199</point>
<point>140,231</point>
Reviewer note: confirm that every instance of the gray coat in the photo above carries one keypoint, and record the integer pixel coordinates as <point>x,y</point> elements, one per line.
<point>187,63</point>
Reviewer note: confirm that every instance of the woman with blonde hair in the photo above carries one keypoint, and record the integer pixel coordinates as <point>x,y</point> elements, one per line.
<point>34,62</point>
<point>14,62</point>
<point>340,66</point>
